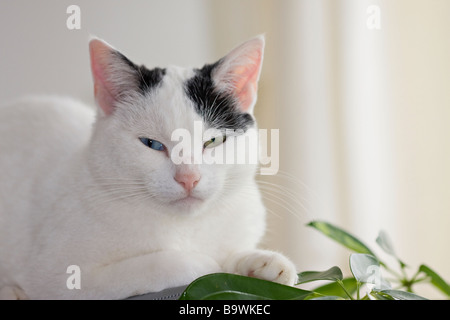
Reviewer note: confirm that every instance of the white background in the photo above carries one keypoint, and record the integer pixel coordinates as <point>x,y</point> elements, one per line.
<point>363,114</point>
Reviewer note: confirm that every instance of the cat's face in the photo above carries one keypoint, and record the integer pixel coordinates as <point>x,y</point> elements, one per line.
<point>161,134</point>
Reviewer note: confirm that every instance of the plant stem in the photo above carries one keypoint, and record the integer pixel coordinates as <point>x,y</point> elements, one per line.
<point>402,268</point>
<point>421,279</point>
<point>397,275</point>
<point>409,283</point>
<point>345,290</point>
<point>413,279</point>
<point>358,286</point>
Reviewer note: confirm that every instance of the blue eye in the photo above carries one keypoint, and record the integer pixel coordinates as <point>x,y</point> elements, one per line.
<point>153,144</point>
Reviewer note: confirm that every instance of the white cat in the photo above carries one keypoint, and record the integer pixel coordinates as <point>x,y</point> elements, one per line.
<point>101,192</point>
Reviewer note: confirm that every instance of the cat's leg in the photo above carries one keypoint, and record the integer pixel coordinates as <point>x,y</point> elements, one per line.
<point>142,274</point>
<point>12,293</point>
<point>262,264</point>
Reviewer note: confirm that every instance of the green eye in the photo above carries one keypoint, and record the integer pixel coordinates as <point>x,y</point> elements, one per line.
<point>214,142</point>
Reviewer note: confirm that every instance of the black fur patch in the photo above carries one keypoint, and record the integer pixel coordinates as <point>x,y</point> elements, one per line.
<point>219,110</point>
<point>147,79</point>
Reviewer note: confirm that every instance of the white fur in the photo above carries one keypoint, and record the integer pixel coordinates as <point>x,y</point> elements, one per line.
<point>74,193</point>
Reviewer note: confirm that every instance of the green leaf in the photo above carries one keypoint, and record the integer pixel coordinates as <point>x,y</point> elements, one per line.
<point>335,289</point>
<point>378,295</point>
<point>363,266</point>
<point>328,298</point>
<point>333,274</point>
<point>341,236</point>
<point>231,286</point>
<point>436,280</point>
<point>402,295</point>
<point>232,295</point>
<point>366,269</point>
<point>385,243</point>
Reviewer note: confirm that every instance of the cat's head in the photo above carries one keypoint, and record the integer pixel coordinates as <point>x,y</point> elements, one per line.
<point>159,132</point>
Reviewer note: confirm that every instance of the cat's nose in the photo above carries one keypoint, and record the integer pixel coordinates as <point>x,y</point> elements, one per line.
<point>188,180</point>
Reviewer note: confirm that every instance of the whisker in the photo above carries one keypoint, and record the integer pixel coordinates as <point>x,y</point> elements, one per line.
<point>278,196</point>
<point>102,199</point>
<point>117,180</point>
<point>281,189</point>
<point>295,180</point>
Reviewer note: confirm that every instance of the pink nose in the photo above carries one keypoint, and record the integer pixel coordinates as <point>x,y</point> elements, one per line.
<point>188,180</point>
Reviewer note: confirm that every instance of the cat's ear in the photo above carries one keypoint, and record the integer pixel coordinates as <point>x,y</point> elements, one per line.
<point>238,72</point>
<point>114,75</point>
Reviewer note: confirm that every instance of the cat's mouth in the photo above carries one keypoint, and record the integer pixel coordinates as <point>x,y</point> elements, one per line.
<point>188,201</point>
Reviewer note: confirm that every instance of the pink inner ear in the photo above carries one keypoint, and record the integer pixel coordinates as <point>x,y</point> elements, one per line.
<point>246,84</point>
<point>100,54</point>
<point>239,72</point>
<point>104,99</point>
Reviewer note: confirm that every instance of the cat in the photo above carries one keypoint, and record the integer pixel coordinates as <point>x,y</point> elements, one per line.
<point>96,188</point>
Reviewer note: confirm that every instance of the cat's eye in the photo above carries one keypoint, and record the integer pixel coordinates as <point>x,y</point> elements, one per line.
<point>214,142</point>
<point>153,144</point>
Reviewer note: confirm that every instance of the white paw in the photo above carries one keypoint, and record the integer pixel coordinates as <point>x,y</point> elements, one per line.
<point>12,293</point>
<point>267,265</point>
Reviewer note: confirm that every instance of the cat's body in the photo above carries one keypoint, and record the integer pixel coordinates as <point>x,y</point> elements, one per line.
<point>105,199</point>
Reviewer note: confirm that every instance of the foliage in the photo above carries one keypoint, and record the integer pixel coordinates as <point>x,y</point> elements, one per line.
<point>367,282</point>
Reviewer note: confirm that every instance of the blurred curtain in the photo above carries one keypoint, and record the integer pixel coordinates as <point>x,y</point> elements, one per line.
<point>360,91</point>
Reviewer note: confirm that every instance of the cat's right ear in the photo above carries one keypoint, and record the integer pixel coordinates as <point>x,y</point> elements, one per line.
<point>113,74</point>
<point>238,72</point>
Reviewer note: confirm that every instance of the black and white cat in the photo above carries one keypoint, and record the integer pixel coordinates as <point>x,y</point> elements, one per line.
<point>100,191</point>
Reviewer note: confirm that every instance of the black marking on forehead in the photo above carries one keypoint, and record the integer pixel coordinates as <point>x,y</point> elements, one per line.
<point>218,109</point>
<point>147,79</point>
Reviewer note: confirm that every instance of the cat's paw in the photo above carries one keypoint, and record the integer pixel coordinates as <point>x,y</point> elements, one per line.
<point>12,293</point>
<point>267,265</point>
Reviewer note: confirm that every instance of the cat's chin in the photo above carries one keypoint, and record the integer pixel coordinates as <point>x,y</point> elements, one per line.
<point>188,203</point>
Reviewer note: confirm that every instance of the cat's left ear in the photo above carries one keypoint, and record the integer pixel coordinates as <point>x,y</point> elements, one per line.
<point>238,72</point>
<point>114,75</point>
